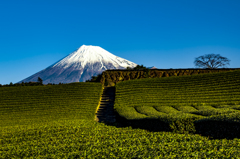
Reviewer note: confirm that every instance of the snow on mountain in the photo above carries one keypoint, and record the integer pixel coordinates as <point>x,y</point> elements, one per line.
<point>81,65</point>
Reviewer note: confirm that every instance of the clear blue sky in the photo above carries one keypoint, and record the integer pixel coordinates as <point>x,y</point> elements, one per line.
<point>162,33</point>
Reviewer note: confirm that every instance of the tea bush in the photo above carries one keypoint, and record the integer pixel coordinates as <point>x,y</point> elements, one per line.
<point>31,104</point>
<point>179,101</point>
<point>57,121</point>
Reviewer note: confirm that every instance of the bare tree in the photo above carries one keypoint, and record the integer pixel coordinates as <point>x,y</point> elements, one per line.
<point>211,61</point>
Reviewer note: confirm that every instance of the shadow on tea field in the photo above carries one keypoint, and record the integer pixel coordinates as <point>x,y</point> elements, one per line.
<point>208,128</point>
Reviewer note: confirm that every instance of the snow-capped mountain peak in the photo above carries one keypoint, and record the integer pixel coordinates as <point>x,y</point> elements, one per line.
<point>91,54</point>
<point>80,65</point>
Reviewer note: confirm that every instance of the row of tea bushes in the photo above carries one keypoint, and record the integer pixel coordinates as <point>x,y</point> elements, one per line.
<point>88,139</point>
<point>26,105</point>
<point>63,127</point>
<point>111,77</point>
<point>179,101</point>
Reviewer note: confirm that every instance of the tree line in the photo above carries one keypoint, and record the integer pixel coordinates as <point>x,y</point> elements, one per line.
<point>38,83</point>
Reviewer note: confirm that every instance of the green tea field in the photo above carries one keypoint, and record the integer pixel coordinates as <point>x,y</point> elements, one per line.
<point>58,121</point>
<point>182,103</point>
<point>34,104</point>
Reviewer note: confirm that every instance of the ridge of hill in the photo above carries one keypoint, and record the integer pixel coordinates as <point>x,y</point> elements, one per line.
<point>112,77</point>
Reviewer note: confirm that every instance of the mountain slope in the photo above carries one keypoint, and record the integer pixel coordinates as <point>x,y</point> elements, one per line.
<point>80,66</point>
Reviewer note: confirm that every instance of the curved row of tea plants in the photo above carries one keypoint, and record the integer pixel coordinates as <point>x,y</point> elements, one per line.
<point>179,101</point>
<point>58,122</point>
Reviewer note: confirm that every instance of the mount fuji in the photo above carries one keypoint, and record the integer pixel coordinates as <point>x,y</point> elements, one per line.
<point>81,65</point>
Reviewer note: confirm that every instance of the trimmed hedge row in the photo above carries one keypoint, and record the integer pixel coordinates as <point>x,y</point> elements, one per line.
<point>24,105</point>
<point>111,77</point>
<point>179,102</point>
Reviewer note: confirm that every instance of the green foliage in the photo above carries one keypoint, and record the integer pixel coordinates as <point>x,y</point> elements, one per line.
<point>139,67</point>
<point>88,139</point>
<point>56,121</point>
<point>128,68</point>
<point>220,126</point>
<point>23,84</point>
<point>179,101</point>
<point>95,78</point>
<point>25,105</point>
<point>142,72</point>
<point>106,83</point>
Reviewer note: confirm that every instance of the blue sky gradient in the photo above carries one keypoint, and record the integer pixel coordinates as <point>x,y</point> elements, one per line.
<point>160,33</point>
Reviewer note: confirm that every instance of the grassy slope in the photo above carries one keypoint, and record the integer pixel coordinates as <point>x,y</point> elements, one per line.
<point>194,104</point>
<point>68,130</point>
<point>34,104</point>
<point>202,95</point>
<point>87,139</point>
